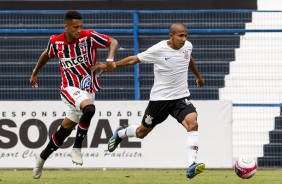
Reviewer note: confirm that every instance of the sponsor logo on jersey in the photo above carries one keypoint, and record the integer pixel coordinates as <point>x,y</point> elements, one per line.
<point>167,58</point>
<point>85,82</point>
<point>83,39</point>
<point>59,42</point>
<point>71,62</point>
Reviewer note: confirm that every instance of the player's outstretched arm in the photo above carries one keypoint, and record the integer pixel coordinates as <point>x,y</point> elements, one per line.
<point>200,81</point>
<point>130,60</point>
<point>43,59</point>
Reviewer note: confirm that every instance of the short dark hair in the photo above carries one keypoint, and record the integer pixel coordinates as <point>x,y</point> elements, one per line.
<point>174,26</point>
<point>72,14</point>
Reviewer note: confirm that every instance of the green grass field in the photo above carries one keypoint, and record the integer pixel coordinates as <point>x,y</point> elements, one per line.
<point>137,177</point>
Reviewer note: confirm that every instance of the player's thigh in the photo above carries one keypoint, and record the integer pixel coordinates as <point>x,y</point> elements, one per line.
<point>190,122</point>
<point>183,110</point>
<point>155,113</point>
<point>76,98</point>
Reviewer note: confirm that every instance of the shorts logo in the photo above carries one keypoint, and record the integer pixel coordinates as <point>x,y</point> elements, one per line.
<point>187,102</point>
<point>148,120</point>
<point>85,82</point>
<point>76,93</point>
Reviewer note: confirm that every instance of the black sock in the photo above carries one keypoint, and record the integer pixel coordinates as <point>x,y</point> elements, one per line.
<point>83,125</point>
<point>55,142</point>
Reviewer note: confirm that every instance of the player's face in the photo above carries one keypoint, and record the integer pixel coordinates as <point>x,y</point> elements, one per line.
<point>178,38</point>
<point>73,29</point>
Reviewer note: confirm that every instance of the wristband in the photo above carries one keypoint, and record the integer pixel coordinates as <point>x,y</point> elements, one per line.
<point>109,59</point>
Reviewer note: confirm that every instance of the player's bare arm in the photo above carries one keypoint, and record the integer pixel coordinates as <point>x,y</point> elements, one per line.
<point>130,60</point>
<point>43,59</point>
<point>200,81</point>
<point>111,54</point>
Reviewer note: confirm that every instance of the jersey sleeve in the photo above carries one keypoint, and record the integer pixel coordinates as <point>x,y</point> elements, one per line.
<point>100,40</point>
<point>49,49</point>
<point>148,56</point>
<point>190,46</point>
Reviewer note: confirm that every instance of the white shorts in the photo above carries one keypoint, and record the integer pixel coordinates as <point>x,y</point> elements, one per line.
<point>73,97</point>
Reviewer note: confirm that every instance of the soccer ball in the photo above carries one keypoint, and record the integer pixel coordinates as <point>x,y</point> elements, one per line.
<point>245,168</point>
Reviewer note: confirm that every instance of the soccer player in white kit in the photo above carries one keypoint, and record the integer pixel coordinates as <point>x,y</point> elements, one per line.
<point>169,94</point>
<point>76,50</point>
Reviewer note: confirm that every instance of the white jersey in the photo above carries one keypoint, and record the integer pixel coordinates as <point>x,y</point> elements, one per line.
<point>170,70</point>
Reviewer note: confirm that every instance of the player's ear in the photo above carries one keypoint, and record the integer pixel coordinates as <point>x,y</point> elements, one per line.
<point>170,35</point>
<point>66,26</point>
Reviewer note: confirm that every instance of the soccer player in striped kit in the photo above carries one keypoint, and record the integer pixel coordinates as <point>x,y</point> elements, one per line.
<point>169,94</point>
<point>76,50</point>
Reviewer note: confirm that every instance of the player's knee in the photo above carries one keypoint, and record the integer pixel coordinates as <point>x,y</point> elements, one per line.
<point>141,134</point>
<point>89,110</point>
<point>193,126</point>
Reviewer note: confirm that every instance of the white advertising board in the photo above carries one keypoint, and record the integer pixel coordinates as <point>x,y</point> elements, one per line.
<point>25,128</point>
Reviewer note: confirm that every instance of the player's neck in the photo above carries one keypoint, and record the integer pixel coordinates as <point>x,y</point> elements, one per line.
<point>68,38</point>
<point>169,43</point>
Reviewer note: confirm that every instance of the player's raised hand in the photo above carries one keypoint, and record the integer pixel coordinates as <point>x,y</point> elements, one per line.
<point>33,81</point>
<point>200,82</point>
<point>101,66</point>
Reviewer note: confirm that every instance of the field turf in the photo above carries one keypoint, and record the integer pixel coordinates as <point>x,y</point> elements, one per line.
<point>134,176</point>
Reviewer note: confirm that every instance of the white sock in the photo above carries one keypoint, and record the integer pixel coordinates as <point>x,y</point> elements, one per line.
<point>192,145</point>
<point>130,131</point>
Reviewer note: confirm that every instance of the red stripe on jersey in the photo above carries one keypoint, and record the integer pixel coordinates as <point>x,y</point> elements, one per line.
<point>81,70</point>
<point>61,51</point>
<point>64,82</point>
<point>72,51</point>
<point>98,82</point>
<point>100,40</point>
<point>95,89</point>
<point>88,63</point>
<point>50,50</point>
<point>74,77</point>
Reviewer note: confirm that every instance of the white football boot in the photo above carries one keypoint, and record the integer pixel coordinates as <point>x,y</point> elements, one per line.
<point>76,156</point>
<point>37,170</point>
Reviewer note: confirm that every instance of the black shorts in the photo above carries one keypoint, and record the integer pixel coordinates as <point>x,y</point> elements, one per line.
<point>157,111</point>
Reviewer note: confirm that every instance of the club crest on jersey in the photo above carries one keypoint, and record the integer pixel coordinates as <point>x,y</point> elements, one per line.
<point>85,82</point>
<point>82,47</point>
<point>71,62</point>
<point>186,54</point>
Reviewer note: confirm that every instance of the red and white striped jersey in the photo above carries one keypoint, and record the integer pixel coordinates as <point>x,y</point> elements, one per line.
<point>76,58</point>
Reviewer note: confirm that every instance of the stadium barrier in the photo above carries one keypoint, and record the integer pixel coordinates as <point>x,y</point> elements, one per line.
<point>242,48</point>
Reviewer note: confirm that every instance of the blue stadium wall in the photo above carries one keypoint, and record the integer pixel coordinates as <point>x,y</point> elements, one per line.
<point>128,5</point>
